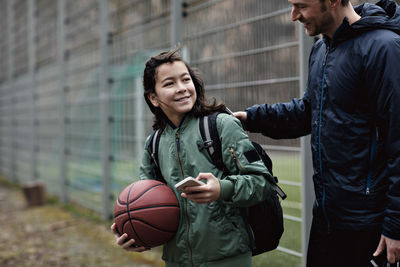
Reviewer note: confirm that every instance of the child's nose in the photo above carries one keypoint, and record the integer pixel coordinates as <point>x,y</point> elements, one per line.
<point>181,86</point>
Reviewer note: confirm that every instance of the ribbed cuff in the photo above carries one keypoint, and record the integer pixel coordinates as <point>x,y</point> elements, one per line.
<point>249,124</point>
<point>395,236</point>
<point>391,230</point>
<point>226,189</point>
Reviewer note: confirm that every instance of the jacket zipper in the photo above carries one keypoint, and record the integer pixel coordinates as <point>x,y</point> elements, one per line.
<point>371,161</point>
<point>178,148</point>
<point>235,159</point>
<point>319,139</point>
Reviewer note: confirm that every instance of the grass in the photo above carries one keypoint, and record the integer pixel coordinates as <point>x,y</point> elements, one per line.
<point>276,258</point>
<point>56,234</point>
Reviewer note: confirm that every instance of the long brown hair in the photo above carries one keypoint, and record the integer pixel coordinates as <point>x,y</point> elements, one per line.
<point>202,105</point>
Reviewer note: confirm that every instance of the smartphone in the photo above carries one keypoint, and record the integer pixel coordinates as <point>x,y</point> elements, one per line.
<point>187,182</point>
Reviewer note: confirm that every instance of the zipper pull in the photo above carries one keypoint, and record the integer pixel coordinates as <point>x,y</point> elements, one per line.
<point>178,146</point>
<point>235,160</point>
<point>367,191</point>
<point>232,153</point>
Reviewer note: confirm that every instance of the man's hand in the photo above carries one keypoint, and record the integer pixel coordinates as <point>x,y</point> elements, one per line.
<point>241,115</point>
<point>127,245</point>
<point>206,193</point>
<point>392,247</point>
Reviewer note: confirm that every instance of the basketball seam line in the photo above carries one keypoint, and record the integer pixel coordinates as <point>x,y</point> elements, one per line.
<point>146,223</point>
<point>130,221</point>
<point>148,207</point>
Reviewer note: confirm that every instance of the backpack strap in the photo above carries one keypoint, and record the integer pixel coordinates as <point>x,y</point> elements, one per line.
<point>152,146</point>
<point>211,141</point>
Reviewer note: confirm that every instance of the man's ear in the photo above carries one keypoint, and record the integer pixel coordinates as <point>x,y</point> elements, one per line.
<point>335,3</point>
<point>153,99</point>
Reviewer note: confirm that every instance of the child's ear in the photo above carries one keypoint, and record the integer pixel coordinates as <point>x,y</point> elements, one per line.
<point>153,99</point>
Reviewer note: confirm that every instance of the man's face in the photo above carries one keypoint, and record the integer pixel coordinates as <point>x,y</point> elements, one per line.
<point>313,14</point>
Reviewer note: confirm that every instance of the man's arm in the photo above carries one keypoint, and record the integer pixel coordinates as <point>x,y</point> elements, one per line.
<point>382,78</point>
<point>281,120</point>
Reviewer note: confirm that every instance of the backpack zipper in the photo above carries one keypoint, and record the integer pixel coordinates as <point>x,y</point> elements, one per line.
<point>178,148</point>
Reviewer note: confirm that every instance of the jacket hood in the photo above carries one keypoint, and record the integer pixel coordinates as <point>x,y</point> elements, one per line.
<point>383,15</point>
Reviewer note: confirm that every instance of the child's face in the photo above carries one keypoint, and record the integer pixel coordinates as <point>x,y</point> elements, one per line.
<point>175,91</point>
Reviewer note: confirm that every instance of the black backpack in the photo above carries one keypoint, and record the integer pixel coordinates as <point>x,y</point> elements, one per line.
<point>264,220</point>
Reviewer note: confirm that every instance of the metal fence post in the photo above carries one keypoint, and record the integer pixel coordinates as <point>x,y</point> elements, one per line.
<point>104,108</point>
<point>11,69</point>
<point>176,22</point>
<point>62,108</point>
<point>10,35</point>
<point>32,84</point>
<point>308,195</point>
<point>139,123</point>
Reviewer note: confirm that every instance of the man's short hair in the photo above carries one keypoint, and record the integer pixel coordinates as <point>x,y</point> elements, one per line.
<point>344,2</point>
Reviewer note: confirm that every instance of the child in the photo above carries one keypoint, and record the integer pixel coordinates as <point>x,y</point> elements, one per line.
<point>212,231</point>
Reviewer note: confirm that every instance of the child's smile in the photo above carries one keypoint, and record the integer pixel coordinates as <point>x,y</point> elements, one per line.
<point>175,91</point>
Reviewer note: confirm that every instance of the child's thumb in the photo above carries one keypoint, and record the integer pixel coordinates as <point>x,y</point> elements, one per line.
<point>204,176</point>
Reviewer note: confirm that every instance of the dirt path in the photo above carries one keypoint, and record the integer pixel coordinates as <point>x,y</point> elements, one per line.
<point>50,236</point>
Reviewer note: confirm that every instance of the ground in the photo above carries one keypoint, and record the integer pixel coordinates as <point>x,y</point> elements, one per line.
<point>52,235</point>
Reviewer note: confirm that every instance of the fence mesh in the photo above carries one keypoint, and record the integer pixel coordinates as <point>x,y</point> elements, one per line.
<point>64,119</point>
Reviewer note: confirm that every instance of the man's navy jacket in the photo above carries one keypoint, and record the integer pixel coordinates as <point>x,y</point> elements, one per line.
<point>352,109</point>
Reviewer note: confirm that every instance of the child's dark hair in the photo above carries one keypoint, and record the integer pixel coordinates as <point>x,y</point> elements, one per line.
<point>202,105</point>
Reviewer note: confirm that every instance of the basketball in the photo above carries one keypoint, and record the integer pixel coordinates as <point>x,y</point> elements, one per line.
<point>148,211</point>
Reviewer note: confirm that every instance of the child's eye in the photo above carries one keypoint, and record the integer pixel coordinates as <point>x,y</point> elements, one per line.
<point>168,84</point>
<point>187,79</point>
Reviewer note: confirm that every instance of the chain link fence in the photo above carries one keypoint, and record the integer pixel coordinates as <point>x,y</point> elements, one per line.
<point>71,104</point>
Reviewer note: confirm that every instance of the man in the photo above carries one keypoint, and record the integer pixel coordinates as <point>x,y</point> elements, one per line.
<point>352,109</point>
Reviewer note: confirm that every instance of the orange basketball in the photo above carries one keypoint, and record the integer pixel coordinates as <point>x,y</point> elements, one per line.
<point>148,211</point>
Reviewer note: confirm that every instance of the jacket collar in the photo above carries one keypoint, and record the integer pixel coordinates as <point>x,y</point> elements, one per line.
<point>181,125</point>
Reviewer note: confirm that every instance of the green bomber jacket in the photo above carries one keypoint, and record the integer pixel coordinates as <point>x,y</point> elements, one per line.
<point>215,231</point>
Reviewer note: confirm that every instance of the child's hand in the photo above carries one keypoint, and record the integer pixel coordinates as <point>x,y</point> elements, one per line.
<point>127,245</point>
<point>206,193</point>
